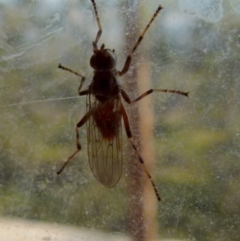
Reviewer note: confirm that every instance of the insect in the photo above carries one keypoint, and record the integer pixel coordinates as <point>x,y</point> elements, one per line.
<point>105,111</point>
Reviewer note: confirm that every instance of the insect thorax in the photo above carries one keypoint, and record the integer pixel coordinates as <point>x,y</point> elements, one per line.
<point>104,85</point>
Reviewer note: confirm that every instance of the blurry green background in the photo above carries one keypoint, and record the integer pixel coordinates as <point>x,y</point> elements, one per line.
<point>193,46</point>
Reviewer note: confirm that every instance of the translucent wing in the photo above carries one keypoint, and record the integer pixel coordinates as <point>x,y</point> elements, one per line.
<point>105,140</point>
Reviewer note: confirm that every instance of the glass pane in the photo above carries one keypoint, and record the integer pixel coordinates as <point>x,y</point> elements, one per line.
<point>190,145</point>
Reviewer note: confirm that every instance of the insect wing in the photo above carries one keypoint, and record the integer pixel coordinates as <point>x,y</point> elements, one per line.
<point>104,132</point>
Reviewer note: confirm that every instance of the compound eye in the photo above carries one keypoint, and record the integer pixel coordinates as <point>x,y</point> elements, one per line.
<point>92,62</point>
<point>111,59</point>
<point>103,60</point>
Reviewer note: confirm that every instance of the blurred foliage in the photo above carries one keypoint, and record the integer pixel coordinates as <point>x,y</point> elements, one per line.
<point>196,139</point>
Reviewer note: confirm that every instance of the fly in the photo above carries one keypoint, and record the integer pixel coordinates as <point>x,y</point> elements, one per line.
<point>105,112</point>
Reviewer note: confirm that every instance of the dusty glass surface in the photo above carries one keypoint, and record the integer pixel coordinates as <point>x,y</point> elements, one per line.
<point>192,46</point>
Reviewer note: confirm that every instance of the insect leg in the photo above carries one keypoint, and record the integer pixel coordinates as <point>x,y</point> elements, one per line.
<point>76,73</point>
<point>80,123</point>
<point>69,70</point>
<point>127,98</point>
<point>129,135</point>
<point>83,92</point>
<point>129,58</point>
<point>99,25</point>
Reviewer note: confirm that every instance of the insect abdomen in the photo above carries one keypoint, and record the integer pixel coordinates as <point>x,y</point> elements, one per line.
<point>107,117</point>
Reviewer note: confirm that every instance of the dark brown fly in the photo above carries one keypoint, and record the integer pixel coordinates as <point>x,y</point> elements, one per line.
<point>105,112</point>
